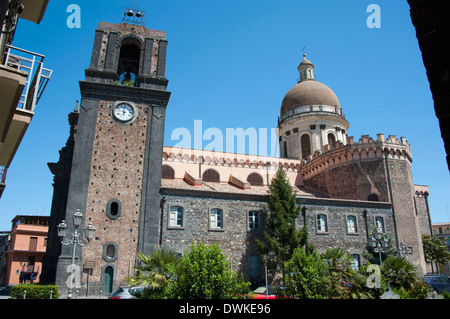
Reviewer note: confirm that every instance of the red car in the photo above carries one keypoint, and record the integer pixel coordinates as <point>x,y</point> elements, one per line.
<point>260,293</point>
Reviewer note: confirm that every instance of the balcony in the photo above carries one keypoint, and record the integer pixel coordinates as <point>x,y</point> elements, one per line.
<point>2,179</point>
<point>23,79</point>
<point>28,248</point>
<point>33,10</point>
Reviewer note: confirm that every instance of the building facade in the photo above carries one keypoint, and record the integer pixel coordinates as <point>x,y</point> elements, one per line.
<point>23,79</point>
<point>139,194</point>
<point>24,249</point>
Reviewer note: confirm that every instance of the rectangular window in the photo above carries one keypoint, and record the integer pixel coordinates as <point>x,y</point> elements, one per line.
<point>379,224</point>
<point>33,244</point>
<point>322,224</point>
<point>254,220</point>
<point>355,262</point>
<point>216,218</point>
<point>176,216</point>
<point>351,225</point>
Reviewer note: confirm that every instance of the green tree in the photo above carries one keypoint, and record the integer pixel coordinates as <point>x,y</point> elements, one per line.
<point>154,271</point>
<point>305,275</point>
<point>435,250</point>
<point>399,273</point>
<point>282,237</point>
<point>204,273</point>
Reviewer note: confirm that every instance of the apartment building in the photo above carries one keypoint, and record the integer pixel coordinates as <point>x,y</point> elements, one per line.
<point>23,253</point>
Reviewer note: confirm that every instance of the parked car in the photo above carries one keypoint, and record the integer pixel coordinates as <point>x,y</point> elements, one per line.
<point>260,293</point>
<point>126,292</point>
<point>438,282</point>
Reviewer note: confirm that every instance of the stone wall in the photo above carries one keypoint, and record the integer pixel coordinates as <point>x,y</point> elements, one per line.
<point>338,234</point>
<point>238,242</point>
<point>235,239</point>
<point>353,180</point>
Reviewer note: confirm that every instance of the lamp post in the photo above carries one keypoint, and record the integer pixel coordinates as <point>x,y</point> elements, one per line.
<point>379,244</point>
<point>265,268</point>
<point>75,240</point>
<point>404,250</point>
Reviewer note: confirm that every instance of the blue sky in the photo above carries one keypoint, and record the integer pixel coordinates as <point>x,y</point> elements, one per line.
<point>229,64</point>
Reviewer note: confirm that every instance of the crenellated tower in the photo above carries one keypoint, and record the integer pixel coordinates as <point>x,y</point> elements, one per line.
<point>313,128</point>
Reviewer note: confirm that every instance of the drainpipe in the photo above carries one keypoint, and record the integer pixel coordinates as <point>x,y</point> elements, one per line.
<point>161,226</point>
<point>366,223</point>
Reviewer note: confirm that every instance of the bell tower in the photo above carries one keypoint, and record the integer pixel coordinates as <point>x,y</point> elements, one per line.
<point>116,167</point>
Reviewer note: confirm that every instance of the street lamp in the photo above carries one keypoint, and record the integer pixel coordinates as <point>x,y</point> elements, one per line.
<point>404,251</point>
<point>379,244</point>
<point>75,240</point>
<point>265,267</point>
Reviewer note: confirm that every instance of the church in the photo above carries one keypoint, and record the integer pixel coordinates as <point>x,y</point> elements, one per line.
<point>140,194</point>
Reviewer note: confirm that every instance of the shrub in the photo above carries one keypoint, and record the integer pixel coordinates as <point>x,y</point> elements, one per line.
<point>305,274</point>
<point>204,273</point>
<point>399,273</point>
<point>418,290</point>
<point>34,291</point>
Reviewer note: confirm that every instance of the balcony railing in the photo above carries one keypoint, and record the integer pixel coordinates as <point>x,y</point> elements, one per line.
<point>37,79</point>
<point>3,174</point>
<point>27,247</point>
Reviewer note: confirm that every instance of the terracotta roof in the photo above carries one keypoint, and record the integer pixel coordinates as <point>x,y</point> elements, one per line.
<point>226,188</point>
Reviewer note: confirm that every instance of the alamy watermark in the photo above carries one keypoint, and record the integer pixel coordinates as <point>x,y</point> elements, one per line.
<point>262,141</point>
<point>74,18</point>
<point>374,19</point>
<point>74,279</point>
<point>374,279</point>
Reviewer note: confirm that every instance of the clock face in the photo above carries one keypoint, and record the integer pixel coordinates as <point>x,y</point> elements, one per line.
<point>123,112</point>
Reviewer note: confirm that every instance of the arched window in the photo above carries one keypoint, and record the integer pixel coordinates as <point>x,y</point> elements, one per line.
<point>255,179</point>
<point>211,175</point>
<point>331,139</point>
<point>129,57</point>
<point>167,172</point>
<point>306,146</point>
<point>373,198</point>
<point>284,152</point>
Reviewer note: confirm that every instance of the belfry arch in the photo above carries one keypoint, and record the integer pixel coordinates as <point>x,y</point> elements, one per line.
<point>129,60</point>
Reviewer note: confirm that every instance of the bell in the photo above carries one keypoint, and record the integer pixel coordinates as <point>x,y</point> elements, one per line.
<point>138,14</point>
<point>130,13</point>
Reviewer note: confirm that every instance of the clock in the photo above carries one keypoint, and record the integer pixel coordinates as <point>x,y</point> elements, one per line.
<point>124,112</point>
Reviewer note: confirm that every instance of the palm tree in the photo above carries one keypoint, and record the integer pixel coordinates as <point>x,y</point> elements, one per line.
<point>339,263</point>
<point>154,269</point>
<point>399,273</point>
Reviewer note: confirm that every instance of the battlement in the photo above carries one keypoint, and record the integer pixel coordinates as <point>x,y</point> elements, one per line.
<point>231,168</point>
<point>365,149</point>
<point>226,159</point>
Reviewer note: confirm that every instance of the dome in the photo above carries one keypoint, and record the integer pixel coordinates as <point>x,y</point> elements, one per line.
<point>308,92</point>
